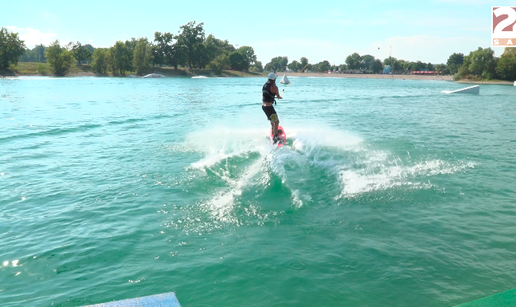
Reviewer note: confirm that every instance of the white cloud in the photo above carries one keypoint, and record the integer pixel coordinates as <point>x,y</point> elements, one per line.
<point>33,37</point>
<point>12,28</point>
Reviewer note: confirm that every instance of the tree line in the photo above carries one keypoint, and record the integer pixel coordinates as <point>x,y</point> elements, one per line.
<point>190,48</point>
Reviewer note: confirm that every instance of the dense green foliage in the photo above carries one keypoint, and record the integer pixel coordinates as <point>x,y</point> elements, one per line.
<point>59,58</point>
<point>164,50</point>
<point>454,62</point>
<point>237,61</point>
<point>142,56</point>
<point>277,64</point>
<point>121,58</point>
<point>101,60</point>
<point>220,63</point>
<point>479,64</point>
<point>82,53</point>
<point>249,58</point>
<point>190,42</point>
<point>353,61</point>
<point>11,48</point>
<point>257,66</point>
<point>37,54</point>
<point>191,49</point>
<point>506,67</point>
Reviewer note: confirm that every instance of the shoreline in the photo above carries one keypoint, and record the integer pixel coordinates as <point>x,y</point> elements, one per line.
<point>368,76</point>
<point>254,75</point>
<point>289,74</point>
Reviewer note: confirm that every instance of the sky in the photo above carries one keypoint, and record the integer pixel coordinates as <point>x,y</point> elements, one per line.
<point>428,31</point>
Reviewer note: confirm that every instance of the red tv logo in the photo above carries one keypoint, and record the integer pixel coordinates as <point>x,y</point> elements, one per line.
<point>504,29</point>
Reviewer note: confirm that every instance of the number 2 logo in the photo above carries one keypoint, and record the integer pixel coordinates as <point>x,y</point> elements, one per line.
<point>511,18</point>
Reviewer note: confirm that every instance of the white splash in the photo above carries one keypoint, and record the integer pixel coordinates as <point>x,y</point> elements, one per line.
<point>222,204</point>
<point>383,171</point>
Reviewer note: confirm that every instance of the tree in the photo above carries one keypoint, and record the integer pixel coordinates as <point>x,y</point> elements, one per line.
<point>443,68</point>
<point>100,61</point>
<point>161,44</point>
<point>203,57</point>
<point>11,48</point>
<point>40,53</point>
<point>454,62</point>
<point>89,47</point>
<point>81,53</point>
<point>189,39</point>
<point>482,62</point>
<point>366,62</point>
<point>59,59</point>
<point>237,61</point>
<point>304,62</point>
<point>463,71</point>
<point>257,66</point>
<point>166,50</point>
<point>407,66</point>
<point>419,65</point>
<point>353,61</point>
<point>376,66</point>
<point>120,58</point>
<point>220,63</point>
<point>28,56</point>
<point>131,44</point>
<point>216,47</point>
<point>394,63</point>
<point>322,66</point>
<point>506,66</point>
<point>142,56</point>
<point>249,56</point>
<point>294,66</point>
<point>277,64</point>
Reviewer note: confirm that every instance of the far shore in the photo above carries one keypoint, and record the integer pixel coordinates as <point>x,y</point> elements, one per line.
<point>367,76</point>
<point>229,73</point>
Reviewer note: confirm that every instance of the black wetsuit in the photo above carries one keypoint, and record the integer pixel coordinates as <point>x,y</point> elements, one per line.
<point>268,97</point>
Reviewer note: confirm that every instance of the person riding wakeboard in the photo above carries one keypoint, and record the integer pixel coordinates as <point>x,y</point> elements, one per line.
<point>269,92</point>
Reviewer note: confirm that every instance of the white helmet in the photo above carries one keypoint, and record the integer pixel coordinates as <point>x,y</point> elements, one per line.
<point>272,76</point>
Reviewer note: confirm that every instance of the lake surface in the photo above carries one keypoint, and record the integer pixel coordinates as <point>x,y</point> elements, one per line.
<point>388,192</point>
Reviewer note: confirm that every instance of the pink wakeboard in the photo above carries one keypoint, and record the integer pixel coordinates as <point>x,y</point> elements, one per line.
<point>282,137</point>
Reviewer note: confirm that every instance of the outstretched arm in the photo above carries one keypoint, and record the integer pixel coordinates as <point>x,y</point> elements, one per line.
<point>275,88</point>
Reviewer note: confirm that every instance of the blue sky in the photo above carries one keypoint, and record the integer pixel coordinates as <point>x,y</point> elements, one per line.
<point>429,31</point>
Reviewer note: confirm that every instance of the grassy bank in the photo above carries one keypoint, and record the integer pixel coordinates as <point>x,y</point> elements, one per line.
<point>42,69</point>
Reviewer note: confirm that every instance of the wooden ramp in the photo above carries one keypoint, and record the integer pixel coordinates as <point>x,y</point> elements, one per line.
<point>159,300</point>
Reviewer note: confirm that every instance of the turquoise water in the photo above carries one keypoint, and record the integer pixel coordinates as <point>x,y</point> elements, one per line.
<point>388,193</point>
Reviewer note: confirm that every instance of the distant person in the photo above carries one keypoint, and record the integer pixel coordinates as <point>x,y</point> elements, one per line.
<point>269,92</point>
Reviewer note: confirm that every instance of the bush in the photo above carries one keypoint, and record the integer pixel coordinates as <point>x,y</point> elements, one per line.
<point>42,68</point>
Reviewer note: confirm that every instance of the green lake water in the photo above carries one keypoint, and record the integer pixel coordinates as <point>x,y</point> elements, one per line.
<point>388,192</point>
